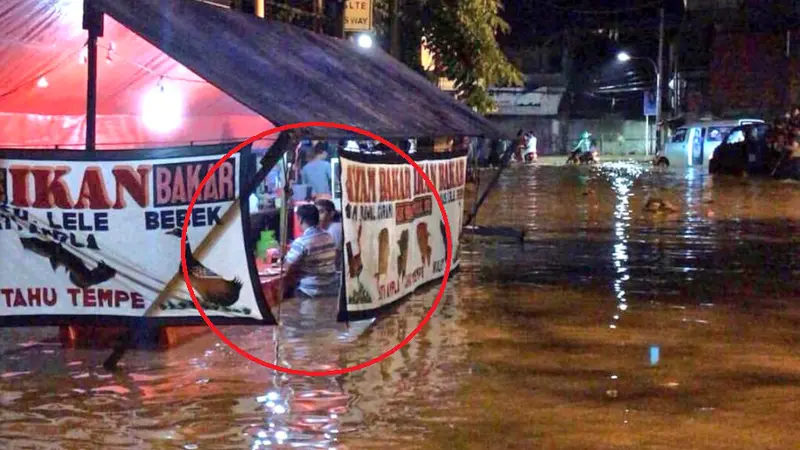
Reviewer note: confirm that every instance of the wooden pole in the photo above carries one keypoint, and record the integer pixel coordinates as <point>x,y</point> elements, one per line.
<point>93,23</point>
<point>394,25</point>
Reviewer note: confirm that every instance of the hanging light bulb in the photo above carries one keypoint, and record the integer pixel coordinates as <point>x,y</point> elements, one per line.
<point>162,108</point>
<point>42,83</point>
<point>111,49</point>
<point>84,56</point>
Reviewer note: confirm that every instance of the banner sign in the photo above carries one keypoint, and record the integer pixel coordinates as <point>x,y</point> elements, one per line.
<point>357,15</point>
<point>95,238</point>
<point>393,229</point>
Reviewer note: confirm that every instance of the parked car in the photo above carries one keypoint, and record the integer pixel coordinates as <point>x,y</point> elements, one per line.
<point>743,150</point>
<point>693,144</point>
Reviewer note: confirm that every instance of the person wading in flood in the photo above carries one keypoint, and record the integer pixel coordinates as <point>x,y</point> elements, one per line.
<point>520,143</point>
<point>330,221</point>
<point>311,260</point>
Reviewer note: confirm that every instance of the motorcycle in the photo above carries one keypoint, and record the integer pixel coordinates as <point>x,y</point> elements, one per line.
<point>578,157</point>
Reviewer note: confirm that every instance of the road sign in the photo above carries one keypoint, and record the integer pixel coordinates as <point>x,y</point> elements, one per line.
<point>358,15</point>
<point>649,103</point>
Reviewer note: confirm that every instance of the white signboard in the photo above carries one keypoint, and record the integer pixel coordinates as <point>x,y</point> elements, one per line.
<point>358,15</point>
<point>394,233</point>
<point>95,238</point>
<point>517,102</point>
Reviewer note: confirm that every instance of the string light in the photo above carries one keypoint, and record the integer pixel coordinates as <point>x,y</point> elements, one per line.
<point>42,83</point>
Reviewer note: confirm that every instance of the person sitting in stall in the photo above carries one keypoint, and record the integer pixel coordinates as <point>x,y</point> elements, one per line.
<point>311,261</point>
<point>331,221</point>
<point>317,173</point>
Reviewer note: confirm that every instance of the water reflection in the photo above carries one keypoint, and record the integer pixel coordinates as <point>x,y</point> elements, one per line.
<point>518,352</point>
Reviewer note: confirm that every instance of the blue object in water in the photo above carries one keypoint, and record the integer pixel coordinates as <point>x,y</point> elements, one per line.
<point>654,354</point>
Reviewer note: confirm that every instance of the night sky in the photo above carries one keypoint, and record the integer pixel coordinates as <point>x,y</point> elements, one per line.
<point>533,22</point>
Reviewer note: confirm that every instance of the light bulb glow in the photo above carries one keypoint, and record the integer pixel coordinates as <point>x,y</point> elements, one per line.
<point>42,83</point>
<point>162,109</point>
<point>364,41</point>
<point>623,57</point>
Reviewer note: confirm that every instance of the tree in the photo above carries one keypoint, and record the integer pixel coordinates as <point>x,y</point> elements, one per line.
<point>461,35</point>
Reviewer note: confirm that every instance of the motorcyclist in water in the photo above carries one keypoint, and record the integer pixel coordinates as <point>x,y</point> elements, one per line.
<point>584,152</point>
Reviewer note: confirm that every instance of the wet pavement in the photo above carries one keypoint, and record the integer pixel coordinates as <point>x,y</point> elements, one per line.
<point>609,328</point>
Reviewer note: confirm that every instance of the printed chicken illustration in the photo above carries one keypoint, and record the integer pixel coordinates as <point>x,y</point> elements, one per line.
<point>79,274</point>
<point>402,259</point>
<point>354,260</point>
<point>423,239</point>
<point>212,288</point>
<point>383,253</point>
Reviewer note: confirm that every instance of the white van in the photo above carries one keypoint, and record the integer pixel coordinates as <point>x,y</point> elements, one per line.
<point>693,144</point>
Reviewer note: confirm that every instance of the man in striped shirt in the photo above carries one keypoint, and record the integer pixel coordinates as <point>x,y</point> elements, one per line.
<point>311,259</point>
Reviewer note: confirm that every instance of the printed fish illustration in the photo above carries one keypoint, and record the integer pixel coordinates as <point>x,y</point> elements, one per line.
<point>79,274</point>
<point>212,287</point>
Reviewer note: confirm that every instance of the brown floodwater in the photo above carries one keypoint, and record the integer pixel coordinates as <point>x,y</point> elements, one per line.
<point>608,328</point>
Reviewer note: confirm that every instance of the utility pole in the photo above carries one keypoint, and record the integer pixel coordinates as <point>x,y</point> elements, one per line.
<point>659,87</point>
<point>334,15</point>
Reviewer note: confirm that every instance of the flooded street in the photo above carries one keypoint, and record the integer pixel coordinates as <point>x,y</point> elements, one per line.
<point>609,328</point>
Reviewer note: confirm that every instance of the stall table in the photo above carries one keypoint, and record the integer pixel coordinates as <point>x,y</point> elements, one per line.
<point>88,336</point>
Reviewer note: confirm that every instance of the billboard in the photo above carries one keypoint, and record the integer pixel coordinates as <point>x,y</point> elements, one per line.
<point>649,102</point>
<point>393,229</point>
<point>94,238</point>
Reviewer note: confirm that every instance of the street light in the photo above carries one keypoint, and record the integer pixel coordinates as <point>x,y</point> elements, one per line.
<point>625,57</point>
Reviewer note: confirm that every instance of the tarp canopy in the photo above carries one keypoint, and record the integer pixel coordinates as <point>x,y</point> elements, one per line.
<point>293,75</point>
<point>43,76</point>
<point>233,75</point>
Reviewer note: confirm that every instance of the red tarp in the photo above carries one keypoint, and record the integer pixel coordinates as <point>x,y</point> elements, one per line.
<point>43,86</point>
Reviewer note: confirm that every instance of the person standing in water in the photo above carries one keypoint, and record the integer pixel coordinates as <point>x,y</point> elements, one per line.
<point>317,172</point>
<point>331,221</point>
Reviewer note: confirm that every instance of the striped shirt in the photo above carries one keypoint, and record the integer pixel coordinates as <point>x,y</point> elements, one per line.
<point>313,256</point>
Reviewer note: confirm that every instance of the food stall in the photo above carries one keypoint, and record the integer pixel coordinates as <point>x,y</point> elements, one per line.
<point>165,91</point>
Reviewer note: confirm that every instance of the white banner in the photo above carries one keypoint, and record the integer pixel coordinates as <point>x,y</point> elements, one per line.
<point>394,233</point>
<point>98,234</point>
